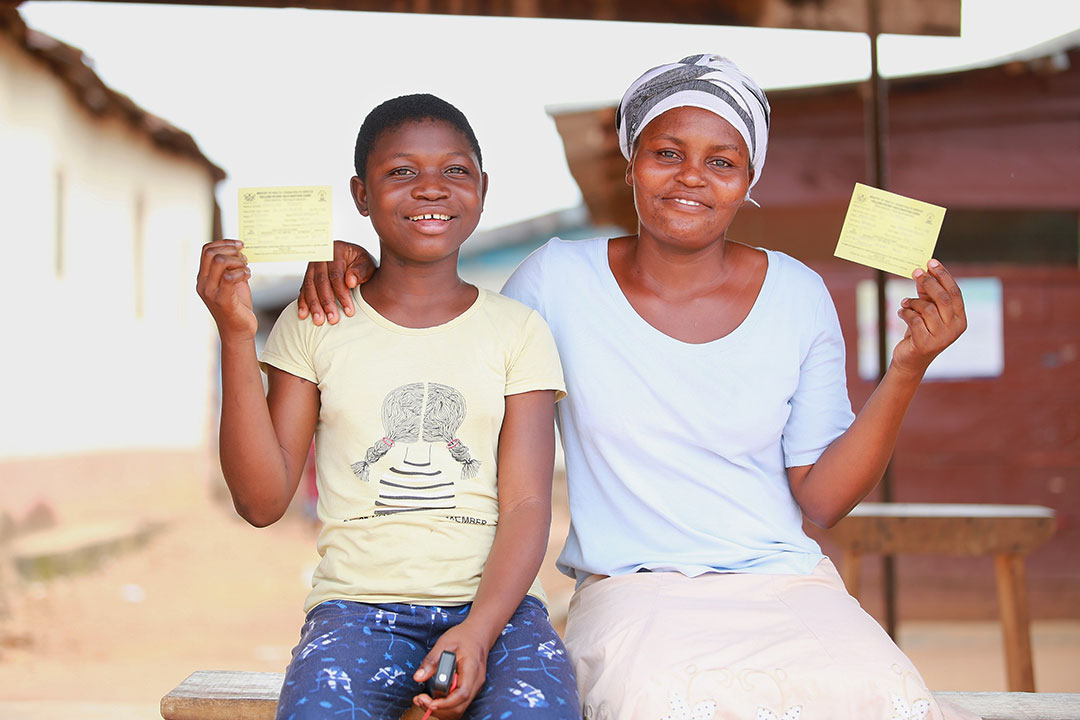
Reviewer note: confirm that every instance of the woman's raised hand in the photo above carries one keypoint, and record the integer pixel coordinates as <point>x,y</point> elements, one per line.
<point>324,281</point>
<point>223,286</point>
<point>934,319</point>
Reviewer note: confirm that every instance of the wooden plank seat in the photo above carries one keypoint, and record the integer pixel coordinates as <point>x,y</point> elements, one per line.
<point>231,695</point>
<point>224,695</point>
<point>1007,532</point>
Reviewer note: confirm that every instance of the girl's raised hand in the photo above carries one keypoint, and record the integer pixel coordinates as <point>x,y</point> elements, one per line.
<point>472,654</point>
<point>223,286</point>
<point>934,319</point>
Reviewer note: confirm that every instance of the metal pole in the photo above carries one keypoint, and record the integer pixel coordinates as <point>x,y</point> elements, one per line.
<point>877,110</point>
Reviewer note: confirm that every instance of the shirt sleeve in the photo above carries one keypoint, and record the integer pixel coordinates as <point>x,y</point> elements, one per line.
<point>290,345</point>
<point>820,407</point>
<point>534,364</point>
<point>525,284</point>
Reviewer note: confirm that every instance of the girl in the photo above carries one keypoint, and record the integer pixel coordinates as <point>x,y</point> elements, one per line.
<point>432,411</point>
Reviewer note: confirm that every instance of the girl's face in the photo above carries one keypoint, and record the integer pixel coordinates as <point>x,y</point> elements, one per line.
<point>690,172</point>
<point>423,191</point>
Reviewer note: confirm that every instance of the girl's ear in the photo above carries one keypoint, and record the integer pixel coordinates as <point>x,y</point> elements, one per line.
<point>630,172</point>
<point>359,195</point>
<point>484,187</point>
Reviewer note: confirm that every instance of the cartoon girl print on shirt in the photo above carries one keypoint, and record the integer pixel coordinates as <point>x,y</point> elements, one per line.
<point>419,414</point>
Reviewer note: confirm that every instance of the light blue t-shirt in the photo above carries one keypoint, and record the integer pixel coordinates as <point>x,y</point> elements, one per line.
<point>676,453</point>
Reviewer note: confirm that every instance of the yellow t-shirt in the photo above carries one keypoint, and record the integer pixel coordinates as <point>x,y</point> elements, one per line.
<point>406,442</point>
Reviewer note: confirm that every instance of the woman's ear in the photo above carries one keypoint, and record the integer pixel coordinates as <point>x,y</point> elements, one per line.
<point>749,181</point>
<point>630,172</point>
<point>359,195</point>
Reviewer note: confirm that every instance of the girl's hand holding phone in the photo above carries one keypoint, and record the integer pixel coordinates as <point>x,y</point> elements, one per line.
<point>471,649</point>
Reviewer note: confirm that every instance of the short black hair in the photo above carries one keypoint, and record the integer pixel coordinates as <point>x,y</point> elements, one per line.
<point>395,112</point>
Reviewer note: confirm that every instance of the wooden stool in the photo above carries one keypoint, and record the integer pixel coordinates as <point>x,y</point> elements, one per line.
<point>1008,532</point>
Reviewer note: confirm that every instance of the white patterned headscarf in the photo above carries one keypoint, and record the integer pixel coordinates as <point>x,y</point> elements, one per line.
<point>709,82</point>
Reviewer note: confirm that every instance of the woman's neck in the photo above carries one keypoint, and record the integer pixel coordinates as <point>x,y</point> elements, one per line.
<point>673,272</point>
<point>692,295</point>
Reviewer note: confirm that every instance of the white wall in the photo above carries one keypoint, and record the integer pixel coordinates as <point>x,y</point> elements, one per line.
<point>84,370</point>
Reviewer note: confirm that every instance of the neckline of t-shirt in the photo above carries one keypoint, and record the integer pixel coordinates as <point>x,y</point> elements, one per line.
<point>378,319</point>
<point>643,325</point>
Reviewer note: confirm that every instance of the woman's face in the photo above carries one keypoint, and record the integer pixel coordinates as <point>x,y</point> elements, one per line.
<point>690,172</point>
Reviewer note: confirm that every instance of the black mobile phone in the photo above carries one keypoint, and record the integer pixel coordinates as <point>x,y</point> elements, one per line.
<point>439,683</point>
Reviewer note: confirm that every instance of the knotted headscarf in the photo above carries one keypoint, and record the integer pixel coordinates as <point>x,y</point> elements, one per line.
<point>709,82</point>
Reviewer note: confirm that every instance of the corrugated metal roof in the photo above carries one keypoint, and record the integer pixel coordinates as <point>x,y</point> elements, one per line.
<point>908,17</point>
<point>71,66</point>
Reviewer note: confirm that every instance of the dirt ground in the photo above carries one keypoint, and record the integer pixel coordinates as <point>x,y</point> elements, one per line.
<point>211,592</point>
<point>207,592</point>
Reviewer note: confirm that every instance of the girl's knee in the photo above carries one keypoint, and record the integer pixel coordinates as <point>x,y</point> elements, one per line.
<point>529,672</point>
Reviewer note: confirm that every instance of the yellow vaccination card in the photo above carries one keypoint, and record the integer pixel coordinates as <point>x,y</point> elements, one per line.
<point>279,224</point>
<point>888,231</point>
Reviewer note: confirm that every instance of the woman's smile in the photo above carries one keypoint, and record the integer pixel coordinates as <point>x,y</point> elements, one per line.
<point>688,202</point>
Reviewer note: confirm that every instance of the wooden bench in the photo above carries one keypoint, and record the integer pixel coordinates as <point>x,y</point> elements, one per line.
<point>67,549</point>
<point>225,695</point>
<point>1007,532</point>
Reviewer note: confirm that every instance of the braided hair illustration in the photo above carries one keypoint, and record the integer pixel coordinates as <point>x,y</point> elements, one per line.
<point>427,412</point>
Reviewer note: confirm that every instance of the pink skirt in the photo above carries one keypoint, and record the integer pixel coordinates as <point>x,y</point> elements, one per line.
<point>738,646</point>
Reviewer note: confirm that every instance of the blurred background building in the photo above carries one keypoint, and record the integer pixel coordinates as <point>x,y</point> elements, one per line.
<point>108,362</point>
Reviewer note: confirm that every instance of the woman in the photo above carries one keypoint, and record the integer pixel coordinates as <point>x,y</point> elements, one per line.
<point>706,413</point>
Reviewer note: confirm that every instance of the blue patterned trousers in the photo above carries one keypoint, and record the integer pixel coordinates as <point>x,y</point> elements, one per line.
<point>356,661</point>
